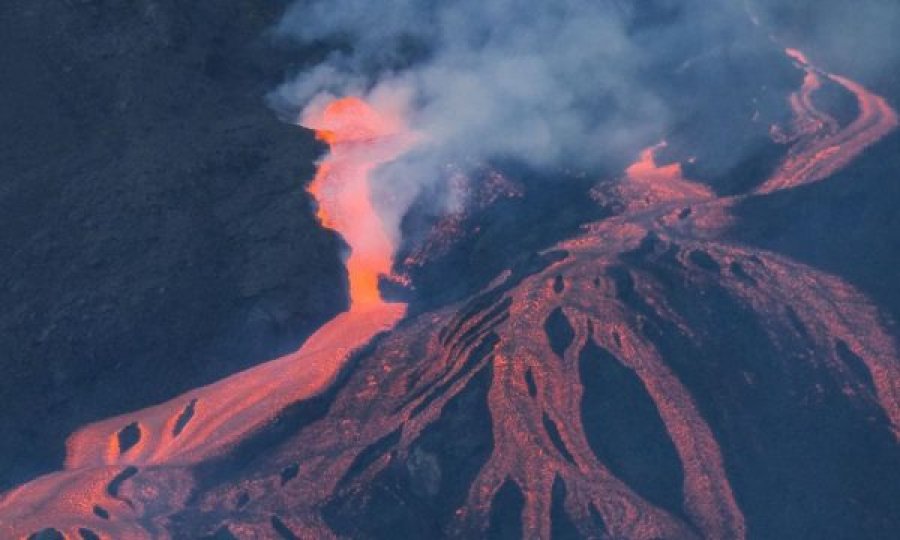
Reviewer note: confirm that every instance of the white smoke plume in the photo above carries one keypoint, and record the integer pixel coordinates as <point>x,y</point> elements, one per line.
<point>541,82</point>
<point>557,83</point>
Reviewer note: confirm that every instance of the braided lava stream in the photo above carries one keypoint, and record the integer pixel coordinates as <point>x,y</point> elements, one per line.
<point>527,349</point>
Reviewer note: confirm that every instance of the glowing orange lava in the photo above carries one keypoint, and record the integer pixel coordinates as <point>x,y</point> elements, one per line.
<point>202,423</point>
<point>360,140</point>
<point>617,295</point>
<point>820,146</point>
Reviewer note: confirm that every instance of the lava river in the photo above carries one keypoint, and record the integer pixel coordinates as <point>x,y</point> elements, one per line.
<point>645,379</point>
<point>84,500</point>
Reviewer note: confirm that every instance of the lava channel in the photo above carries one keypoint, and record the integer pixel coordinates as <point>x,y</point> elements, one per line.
<point>821,147</point>
<point>89,494</point>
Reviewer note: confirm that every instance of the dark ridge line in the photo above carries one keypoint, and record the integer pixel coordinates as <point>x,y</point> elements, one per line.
<point>87,534</point>
<point>475,306</point>
<point>740,273</point>
<point>597,520</point>
<point>529,381</point>
<point>113,487</point>
<point>488,322</point>
<point>485,348</point>
<point>559,331</point>
<point>487,302</point>
<point>796,323</point>
<point>561,525</point>
<point>559,284</point>
<point>703,260</point>
<point>505,522</point>
<point>101,512</point>
<point>368,456</point>
<point>855,364</point>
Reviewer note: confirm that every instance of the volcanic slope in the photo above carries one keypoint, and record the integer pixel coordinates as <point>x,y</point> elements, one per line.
<point>645,379</point>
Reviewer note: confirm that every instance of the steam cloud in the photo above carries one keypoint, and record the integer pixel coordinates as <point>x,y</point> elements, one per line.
<point>557,83</point>
<point>541,82</point>
<point>857,38</point>
<point>505,77</point>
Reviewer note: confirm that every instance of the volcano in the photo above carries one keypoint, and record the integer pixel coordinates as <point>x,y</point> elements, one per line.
<point>631,361</point>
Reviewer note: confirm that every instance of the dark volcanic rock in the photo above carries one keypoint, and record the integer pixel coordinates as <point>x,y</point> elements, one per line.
<point>156,234</point>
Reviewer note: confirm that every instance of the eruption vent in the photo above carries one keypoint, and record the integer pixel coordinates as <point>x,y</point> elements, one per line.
<point>360,139</point>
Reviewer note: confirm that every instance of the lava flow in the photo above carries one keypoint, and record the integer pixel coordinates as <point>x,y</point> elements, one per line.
<point>645,379</point>
<point>361,139</point>
<point>642,380</point>
<point>205,422</point>
<point>820,146</point>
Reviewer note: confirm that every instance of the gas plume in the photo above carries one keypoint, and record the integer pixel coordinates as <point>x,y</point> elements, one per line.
<point>574,84</point>
<point>541,83</point>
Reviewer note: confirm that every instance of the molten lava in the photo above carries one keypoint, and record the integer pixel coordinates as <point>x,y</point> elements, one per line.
<point>649,305</point>
<point>820,146</point>
<point>360,139</point>
<point>208,420</point>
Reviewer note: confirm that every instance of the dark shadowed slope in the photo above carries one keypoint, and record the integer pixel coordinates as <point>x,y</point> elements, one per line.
<point>155,233</point>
